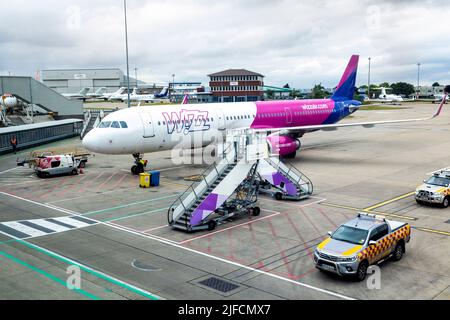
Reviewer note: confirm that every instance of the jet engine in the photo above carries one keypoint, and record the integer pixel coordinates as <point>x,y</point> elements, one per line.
<point>9,101</point>
<point>285,146</point>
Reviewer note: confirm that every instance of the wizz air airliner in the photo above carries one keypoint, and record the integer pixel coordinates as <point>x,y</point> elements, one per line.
<point>149,129</point>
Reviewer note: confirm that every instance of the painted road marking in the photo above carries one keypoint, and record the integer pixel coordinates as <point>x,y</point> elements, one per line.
<point>46,274</point>
<point>389,201</point>
<point>175,245</point>
<point>444,233</point>
<point>327,204</point>
<point>26,229</point>
<point>31,232</point>
<point>9,170</point>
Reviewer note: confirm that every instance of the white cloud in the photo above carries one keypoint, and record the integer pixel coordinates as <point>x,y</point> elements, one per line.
<point>302,43</point>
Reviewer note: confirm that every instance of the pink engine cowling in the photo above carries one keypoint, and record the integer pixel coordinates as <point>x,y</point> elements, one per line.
<point>283,145</point>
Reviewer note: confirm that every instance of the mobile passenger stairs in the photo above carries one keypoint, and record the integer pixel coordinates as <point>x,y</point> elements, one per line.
<point>230,187</point>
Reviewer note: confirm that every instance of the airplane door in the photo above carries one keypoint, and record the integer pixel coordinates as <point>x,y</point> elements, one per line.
<point>288,115</point>
<point>149,129</point>
<point>221,120</point>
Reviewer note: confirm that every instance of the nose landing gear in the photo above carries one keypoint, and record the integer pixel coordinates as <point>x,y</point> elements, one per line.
<point>139,164</point>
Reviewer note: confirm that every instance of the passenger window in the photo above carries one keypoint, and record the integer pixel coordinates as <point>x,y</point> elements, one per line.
<point>115,124</point>
<point>123,124</point>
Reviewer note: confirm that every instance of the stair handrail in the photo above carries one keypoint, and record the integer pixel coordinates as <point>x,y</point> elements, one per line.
<point>191,189</point>
<point>302,181</point>
<point>87,119</point>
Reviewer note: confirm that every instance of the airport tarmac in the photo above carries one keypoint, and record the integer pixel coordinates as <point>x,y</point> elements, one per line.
<point>125,250</point>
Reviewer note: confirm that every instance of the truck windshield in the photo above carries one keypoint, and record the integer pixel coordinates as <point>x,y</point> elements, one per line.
<point>438,181</point>
<point>351,235</point>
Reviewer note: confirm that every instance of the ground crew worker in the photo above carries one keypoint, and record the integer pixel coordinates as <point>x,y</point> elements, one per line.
<point>141,165</point>
<point>13,143</point>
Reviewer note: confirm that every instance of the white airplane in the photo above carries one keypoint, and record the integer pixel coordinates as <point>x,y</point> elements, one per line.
<point>82,95</point>
<point>107,95</point>
<point>121,94</point>
<point>438,98</point>
<point>163,95</point>
<point>385,97</point>
<point>99,93</point>
<point>150,129</point>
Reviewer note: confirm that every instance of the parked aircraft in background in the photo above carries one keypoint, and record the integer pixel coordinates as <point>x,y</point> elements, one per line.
<point>149,129</point>
<point>99,93</point>
<point>385,97</point>
<point>82,95</point>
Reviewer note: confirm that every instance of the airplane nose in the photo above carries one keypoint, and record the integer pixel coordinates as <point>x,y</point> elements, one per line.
<point>90,142</point>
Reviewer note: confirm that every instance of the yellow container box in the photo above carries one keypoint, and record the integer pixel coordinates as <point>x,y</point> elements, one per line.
<point>144,180</point>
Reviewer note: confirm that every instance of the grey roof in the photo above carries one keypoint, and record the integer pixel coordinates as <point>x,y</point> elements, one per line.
<point>365,223</point>
<point>235,72</point>
<point>24,127</point>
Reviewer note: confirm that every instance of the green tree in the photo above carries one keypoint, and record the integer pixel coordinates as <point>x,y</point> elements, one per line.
<point>318,92</point>
<point>403,88</point>
<point>385,85</point>
<point>436,84</point>
<point>270,94</point>
<point>286,86</point>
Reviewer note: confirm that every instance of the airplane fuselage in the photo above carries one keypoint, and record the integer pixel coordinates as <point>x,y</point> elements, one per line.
<point>150,129</point>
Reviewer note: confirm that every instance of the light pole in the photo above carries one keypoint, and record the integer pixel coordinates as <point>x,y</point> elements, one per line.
<point>418,80</point>
<point>126,45</point>
<point>173,85</point>
<point>135,76</point>
<point>368,86</point>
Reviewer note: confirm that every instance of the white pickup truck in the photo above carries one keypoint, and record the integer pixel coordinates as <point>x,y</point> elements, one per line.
<point>435,190</point>
<point>361,242</point>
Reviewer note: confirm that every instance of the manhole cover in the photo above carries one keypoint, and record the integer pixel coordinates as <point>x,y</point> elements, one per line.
<point>143,266</point>
<point>219,284</point>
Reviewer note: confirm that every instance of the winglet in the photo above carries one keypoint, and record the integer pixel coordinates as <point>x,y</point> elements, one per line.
<point>444,99</point>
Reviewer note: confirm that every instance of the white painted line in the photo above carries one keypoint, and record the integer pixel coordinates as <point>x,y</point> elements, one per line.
<point>94,271</point>
<point>9,170</point>
<point>50,225</point>
<point>73,222</point>
<point>25,229</point>
<point>229,228</point>
<point>157,228</point>
<point>92,195</point>
<point>176,245</point>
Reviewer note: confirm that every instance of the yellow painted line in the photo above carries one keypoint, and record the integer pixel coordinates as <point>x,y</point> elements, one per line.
<point>340,206</point>
<point>365,210</point>
<point>389,201</point>
<point>444,233</point>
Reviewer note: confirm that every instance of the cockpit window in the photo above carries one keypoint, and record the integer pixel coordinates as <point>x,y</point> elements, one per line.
<point>104,124</point>
<point>123,124</point>
<point>115,124</point>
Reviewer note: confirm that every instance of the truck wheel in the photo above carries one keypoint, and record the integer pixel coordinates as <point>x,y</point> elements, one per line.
<point>74,172</point>
<point>256,211</point>
<point>211,225</point>
<point>82,164</point>
<point>419,202</point>
<point>279,196</point>
<point>398,252</point>
<point>445,203</point>
<point>361,273</point>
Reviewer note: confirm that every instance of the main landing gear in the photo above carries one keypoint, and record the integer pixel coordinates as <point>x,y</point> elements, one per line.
<point>139,164</point>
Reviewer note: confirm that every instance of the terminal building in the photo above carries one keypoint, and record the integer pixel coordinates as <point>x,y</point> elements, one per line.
<point>236,85</point>
<point>73,80</point>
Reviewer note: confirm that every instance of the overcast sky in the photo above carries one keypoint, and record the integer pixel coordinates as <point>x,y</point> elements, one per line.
<point>289,41</point>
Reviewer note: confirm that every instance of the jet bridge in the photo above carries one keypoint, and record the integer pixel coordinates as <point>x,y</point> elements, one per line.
<point>230,187</point>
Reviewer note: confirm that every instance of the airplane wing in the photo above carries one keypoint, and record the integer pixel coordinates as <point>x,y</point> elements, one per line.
<point>332,127</point>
